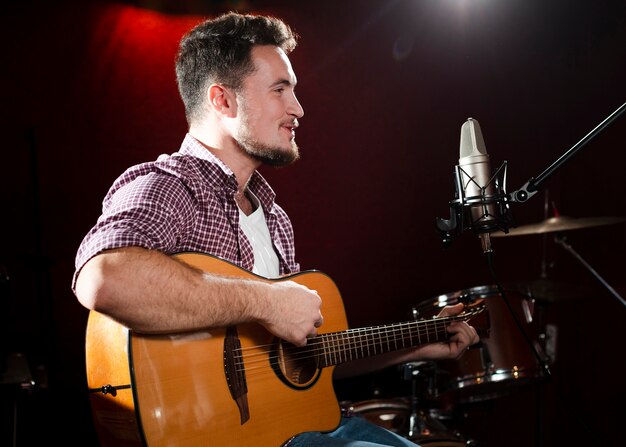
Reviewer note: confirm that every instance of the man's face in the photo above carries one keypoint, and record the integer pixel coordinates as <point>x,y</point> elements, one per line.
<point>268,110</point>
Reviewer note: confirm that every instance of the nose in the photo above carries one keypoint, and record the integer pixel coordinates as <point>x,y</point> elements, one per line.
<point>295,108</point>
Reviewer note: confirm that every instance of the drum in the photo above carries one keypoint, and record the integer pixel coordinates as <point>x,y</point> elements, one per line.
<point>502,359</point>
<point>394,415</point>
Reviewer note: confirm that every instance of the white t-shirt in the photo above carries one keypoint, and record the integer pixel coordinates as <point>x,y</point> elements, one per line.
<point>255,228</point>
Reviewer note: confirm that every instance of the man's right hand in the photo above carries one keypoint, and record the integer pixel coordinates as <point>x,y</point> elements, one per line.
<point>292,312</point>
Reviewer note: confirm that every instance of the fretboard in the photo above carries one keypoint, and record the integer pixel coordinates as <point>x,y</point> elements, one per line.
<point>339,347</point>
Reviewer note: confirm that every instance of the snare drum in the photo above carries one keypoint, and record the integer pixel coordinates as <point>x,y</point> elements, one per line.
<point>502,358</point>
<point>394,415</point>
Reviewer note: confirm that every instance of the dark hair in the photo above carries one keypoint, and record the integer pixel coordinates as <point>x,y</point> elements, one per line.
<point>218,50</point>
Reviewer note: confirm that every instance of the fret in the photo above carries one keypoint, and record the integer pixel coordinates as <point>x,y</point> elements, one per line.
<point>361,342</point>
<point>395,339</point>
<point>409,326</point>
<point>346,347</point>
<point>342,350</point>
<point>376,340</point>
<point>339,348</point>
<point>383,339</point>
<point>352,345</point>
<point>326,348</point>
<point>335,348</point>
<point>419,333</point>
<point>442,328</point>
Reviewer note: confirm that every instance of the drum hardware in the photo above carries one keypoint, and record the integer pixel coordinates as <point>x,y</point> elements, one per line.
<point>559,224</point>
<point>423,427</point>
<point>406,415</point>
<point>548,337</point>
<point>412,371</point>
<point>560,239</point>
<point>393,415</point>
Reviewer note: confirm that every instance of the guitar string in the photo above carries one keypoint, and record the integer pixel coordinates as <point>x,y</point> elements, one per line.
<point>388,331</point>
<point>352,333</point>
<point>345,353</point>
<point>342,344</point>
<point>317,349</point>
<point>372,331</point>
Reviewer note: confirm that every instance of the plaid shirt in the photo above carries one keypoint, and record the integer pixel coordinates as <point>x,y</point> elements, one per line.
<point>185,202</point>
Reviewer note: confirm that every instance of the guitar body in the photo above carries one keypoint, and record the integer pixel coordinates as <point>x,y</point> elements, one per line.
<point>175,389</point>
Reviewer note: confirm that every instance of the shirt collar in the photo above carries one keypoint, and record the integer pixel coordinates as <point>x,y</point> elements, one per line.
<point>257,184</point>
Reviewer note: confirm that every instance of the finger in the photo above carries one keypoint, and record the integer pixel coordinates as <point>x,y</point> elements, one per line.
<point>451,310</point>
<point>300,343</point>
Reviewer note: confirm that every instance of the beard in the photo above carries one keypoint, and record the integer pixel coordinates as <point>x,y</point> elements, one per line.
<point>269,155</point>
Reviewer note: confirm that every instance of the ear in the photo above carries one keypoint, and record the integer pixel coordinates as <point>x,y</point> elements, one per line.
<point>222,100</point>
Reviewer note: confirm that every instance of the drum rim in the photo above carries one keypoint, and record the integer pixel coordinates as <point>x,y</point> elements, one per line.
<point>376,404</point>
<point>495,376</point>
<point>438,301</point>
<point>476,290</point>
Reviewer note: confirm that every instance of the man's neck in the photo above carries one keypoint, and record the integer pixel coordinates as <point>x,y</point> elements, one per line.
<point>244,202</point>
<point>229,152</point>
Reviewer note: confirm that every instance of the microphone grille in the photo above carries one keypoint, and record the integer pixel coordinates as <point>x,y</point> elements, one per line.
<point>471,139</point>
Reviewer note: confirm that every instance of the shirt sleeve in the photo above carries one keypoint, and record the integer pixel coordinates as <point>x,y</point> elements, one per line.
<point>153,211</point>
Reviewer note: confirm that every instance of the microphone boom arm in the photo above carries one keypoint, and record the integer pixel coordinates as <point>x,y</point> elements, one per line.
<point>531,187</point>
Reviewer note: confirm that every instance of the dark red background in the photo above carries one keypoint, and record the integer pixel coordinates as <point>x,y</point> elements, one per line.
<point>89,90</point>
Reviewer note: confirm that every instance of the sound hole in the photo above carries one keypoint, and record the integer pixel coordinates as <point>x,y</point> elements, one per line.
<point>295,366</point>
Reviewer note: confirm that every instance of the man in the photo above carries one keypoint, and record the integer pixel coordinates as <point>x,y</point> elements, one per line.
<point>238,87</point>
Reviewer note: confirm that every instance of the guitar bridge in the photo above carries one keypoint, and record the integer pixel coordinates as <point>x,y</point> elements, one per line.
<point>235,372</point>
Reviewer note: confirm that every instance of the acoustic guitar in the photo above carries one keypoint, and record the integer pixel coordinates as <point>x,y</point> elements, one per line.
<point>235,386</point>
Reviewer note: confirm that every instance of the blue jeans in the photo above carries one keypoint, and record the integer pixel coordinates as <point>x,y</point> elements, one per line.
<point>352,432</point>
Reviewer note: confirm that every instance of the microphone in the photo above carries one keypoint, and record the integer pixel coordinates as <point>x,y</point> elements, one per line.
<point>475,171</point>
<point>480,204</point>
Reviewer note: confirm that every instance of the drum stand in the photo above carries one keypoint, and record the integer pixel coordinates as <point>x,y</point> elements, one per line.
<point>417,373</point>
<point>561,240</point>
<point>411,371</point>
<point>422,428</point>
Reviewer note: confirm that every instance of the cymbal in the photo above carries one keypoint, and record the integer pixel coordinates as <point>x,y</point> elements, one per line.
<point>560,223</point>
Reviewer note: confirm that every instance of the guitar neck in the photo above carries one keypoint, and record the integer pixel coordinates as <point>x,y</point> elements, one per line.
<point>340,347</point>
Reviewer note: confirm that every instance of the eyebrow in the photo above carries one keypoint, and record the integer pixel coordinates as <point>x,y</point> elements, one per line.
<point>285,82</point>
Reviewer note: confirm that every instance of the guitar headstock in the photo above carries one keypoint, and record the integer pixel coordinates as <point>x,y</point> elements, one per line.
<point>476,314</point>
